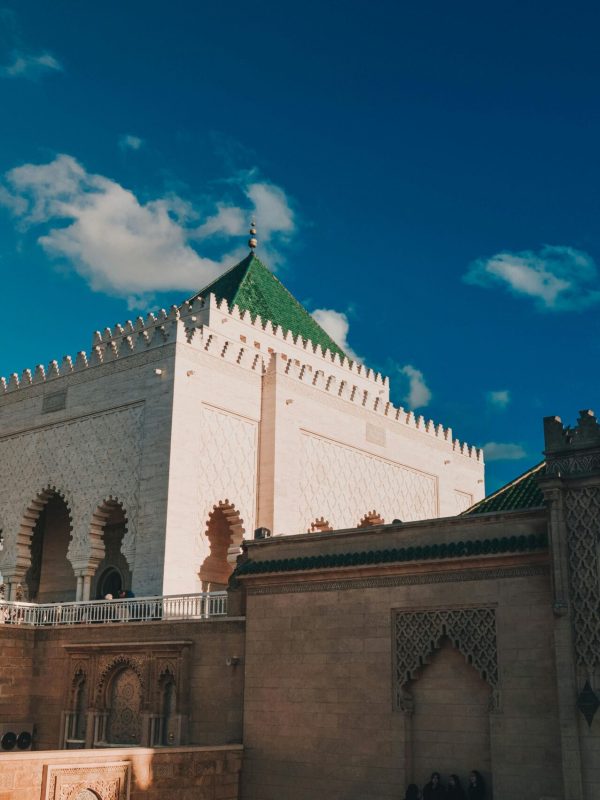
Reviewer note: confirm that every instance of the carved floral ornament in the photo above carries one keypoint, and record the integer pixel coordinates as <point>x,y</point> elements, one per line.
<point>418,634</point>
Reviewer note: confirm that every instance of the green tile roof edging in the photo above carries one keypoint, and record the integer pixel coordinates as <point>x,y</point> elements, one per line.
<point>427,552</point>
<point>253,288</point>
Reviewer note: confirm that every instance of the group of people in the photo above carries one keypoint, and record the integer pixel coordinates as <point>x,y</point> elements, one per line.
<point>435,789</point>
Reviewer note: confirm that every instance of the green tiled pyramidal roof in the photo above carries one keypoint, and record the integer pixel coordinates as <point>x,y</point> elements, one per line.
<point>253,287</point>
<point>518,495</point>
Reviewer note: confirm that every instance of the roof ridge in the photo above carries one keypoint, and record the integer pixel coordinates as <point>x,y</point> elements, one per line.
<point>506,488</point>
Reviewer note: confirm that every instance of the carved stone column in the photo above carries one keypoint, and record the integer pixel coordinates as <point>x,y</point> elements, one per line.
<point>571,486</point>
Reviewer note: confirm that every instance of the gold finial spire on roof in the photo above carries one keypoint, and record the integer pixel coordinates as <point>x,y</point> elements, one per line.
<point>252,241</point>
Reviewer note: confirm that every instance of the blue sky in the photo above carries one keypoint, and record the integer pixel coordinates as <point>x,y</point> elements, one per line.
<point>425,178</point>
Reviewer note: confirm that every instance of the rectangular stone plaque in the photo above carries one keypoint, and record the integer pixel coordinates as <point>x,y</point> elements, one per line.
<point>54,402</point>
<point>375,434</point>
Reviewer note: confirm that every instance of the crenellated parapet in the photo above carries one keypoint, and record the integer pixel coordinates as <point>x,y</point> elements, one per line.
<point>572,450</point>
<point>197,321</point>
<point>107,346</point>
<point>371,401</point>
<point>210,310</point>
<point>199,325</point>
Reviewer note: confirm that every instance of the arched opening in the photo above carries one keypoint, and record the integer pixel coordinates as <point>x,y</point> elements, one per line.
<point>224,529</point>
<point>450,718</point>
<point>76,723</point>
<point>112,574</point>
<point>168,709</point>
<point>50,577</point>
<point>124,694</point>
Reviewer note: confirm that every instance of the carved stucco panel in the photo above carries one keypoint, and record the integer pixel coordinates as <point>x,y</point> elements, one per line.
<point>583,525</point>
<point>228,465</point>
<point>342,484</point>
<point>101,781</point>
<point>417,635</point>
<point>87,460</point>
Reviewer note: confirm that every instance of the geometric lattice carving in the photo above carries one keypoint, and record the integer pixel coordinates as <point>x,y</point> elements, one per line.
<point>583,530</point>
<point>86,460</point>
<point>340,482</point>
<point>462,501</point>
<point>418,634</point>
<point>227,466</point>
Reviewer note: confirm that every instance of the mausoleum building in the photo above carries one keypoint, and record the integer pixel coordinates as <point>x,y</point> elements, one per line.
<point>143,463</point>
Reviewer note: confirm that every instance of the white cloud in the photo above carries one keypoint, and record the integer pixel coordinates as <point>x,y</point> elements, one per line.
<point>497,451</point>
<point>28,65</point>
<point>418,394</point>
<point>127,247</point>
<point>228,221</point>
<point>498,399</point>
<point>130,142</point>
<point>556,278</point>
<point>336,324</point>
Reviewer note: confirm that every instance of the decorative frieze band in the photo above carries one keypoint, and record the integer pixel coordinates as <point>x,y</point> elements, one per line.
<point>402,580</point>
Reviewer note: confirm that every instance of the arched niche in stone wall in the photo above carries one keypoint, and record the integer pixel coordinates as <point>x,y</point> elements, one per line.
<point>450,729</point>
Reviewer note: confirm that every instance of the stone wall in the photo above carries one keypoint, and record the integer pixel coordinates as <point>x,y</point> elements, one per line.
<point>185,773</point>
<point>37,665</point>
<point>329,710</point>
<point>16,673</point>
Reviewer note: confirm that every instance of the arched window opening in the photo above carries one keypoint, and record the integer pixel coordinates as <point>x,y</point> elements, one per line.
<point>224,529</point>
<point>50,577</point>
<point>113,573</point>
<point>110,583</point>
<point>124,706</point>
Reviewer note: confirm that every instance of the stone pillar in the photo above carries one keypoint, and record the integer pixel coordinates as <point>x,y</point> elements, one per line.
<point>87,587</point>
<point>571,487</point>
<point>84,574</point>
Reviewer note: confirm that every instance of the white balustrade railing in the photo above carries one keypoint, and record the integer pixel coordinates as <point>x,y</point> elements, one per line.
<point>132,609</point>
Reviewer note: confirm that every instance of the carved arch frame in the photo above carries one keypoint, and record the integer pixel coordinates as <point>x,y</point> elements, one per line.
<point>108,672</point>
<point>28,520</point>
<point>235,524</point>
<point>418,635</point>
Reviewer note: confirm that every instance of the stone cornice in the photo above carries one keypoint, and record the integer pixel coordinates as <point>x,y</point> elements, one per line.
<point>318,583</point>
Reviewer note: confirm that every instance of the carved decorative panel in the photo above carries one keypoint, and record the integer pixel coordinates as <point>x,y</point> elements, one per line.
<point>96,781</point>
<point>87,460</point>
<point>342,484</point>
<point>583,525</point>
<point>462,501</point>
<point>125,704</point>
<point>417,635</point>
<point>229,459</point>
